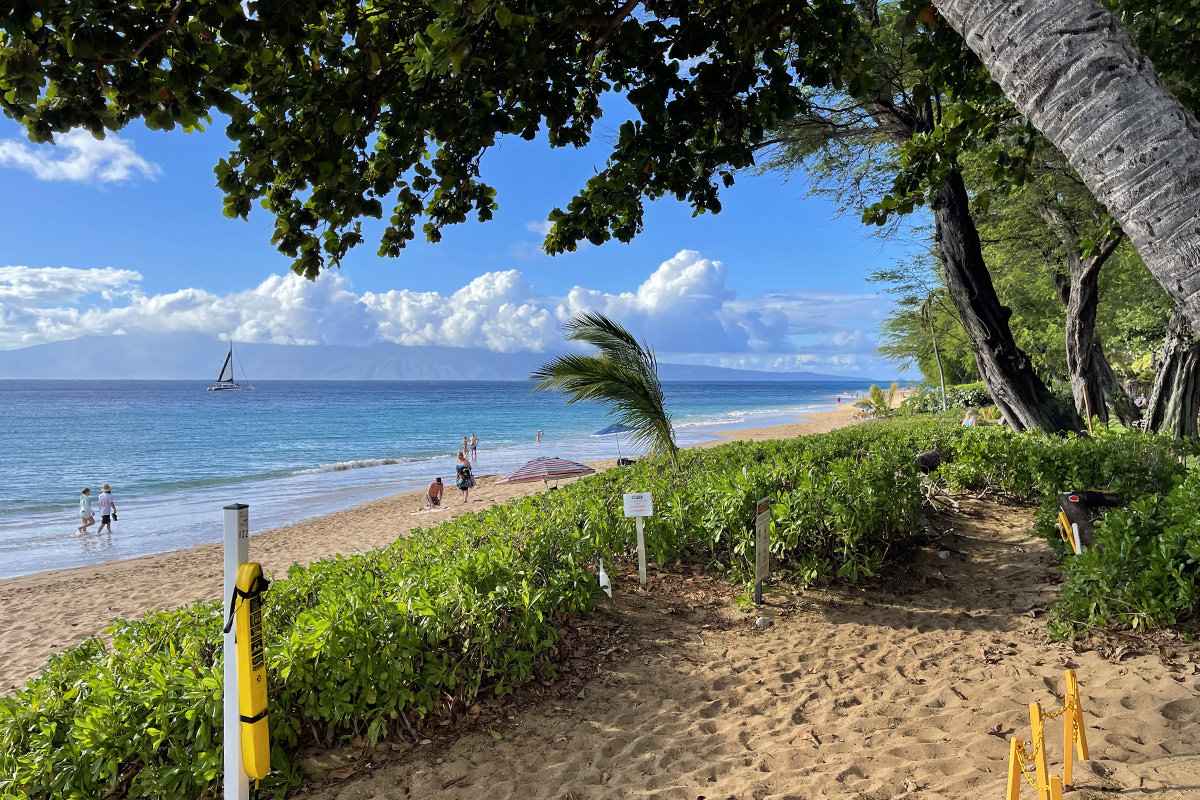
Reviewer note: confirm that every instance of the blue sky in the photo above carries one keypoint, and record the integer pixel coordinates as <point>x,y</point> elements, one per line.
<point>127,235</point>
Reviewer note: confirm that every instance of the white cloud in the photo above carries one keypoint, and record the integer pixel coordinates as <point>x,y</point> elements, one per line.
<point>78,156</point>
<point>542,228</point>
<point>684,308</point>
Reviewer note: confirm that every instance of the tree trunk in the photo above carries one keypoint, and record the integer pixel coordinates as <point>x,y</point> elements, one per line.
<point>1115,396</point>
<point>1094,386</point>
<point>1075,73</point>
<point>1175,398</point>
<point>1006,371</point>
<point>938,358</point>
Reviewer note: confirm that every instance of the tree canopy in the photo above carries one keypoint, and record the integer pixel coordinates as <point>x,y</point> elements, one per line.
<point>341,111</point>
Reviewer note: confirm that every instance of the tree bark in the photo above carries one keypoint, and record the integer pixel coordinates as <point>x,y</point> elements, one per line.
<point>1115,396</point>
<point>1087,368</point>
<point>1006,371</point>
<point>1076,74</point>
<point>1175,398</point>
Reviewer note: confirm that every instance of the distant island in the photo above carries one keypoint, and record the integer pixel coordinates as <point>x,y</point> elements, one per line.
<point>191,356</point>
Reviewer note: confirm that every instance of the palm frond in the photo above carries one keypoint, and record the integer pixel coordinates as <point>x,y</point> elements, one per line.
<point>622,375</point>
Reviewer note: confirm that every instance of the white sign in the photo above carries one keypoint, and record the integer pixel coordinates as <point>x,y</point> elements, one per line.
<point>762,544</point>
<point>640,504</point>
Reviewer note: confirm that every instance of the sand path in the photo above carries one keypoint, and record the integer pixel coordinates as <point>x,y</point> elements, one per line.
<point>878,691</point>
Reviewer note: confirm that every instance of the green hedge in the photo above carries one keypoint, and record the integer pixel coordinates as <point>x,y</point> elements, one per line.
<point>1145,570</point>
<point>963,395</point>
<point>420,628</point>
<point>366,644</point>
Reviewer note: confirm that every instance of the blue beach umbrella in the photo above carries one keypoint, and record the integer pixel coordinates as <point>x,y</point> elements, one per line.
<point>544,469</point>
<point>616,429</point>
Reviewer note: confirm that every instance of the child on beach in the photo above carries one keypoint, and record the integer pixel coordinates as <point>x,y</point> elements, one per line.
<point>85,511</point>
<point>463,479</point>
<point>108,509</point>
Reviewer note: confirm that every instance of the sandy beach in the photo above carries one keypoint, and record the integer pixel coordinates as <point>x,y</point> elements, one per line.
<point>904,686</point>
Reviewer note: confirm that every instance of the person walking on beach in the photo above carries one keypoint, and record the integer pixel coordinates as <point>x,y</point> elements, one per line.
<point>108,509</point>
<point>86,517</point>
<point>474,446</point>
<point>433,497</point>
<point>463,478</point>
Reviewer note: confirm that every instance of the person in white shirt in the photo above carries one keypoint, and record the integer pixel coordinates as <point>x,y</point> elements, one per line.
<point>108,509</point>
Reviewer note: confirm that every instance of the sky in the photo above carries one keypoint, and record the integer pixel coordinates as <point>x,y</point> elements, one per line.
<point>126,234</point>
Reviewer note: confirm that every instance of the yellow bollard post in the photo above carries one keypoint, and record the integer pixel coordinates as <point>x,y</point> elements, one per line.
<point>1038,727</point>
<point>1014,769</point>
<point>1075,715</point>
<point>1056,788</point>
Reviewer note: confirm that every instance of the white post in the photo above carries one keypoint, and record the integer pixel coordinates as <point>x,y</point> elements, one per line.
<point>641,543</point>
<point>237,552</point>
<point>639,505</point>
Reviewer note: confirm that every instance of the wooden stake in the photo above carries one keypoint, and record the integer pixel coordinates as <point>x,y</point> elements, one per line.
<point>1038,727</point>
<point>1014,769</point>
<point>1076,713</point>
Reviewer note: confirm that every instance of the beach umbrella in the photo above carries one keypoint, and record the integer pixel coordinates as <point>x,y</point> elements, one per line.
<point>544,469</point>
<point>617,430</point>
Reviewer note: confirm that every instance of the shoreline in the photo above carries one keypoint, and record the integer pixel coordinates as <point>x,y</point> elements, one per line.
<point>52,610</point>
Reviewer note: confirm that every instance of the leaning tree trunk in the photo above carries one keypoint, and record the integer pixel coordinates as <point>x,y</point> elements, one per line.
<point>1175,398</point>
<point>1006,371</point>
<point>1076,74</point>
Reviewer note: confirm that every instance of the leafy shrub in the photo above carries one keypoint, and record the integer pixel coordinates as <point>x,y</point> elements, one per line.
<point>367,644</point>
<point>1145,570</point>
<point>964,395</point>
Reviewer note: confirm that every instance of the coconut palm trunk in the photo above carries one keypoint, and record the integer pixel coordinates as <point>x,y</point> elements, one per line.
<point>1076,74</point>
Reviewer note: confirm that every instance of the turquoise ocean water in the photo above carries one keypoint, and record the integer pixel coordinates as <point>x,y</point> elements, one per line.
<point>175,454</point>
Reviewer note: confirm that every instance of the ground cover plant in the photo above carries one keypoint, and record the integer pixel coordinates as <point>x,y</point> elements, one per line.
<point>373,645</point>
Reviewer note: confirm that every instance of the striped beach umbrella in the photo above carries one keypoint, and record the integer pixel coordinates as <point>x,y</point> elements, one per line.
<point>544,469</point>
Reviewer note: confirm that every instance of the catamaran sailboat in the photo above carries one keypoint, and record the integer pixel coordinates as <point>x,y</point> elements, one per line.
<point>225,379</point>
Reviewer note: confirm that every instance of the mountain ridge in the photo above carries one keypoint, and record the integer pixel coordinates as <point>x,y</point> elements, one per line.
<point>192,356</point>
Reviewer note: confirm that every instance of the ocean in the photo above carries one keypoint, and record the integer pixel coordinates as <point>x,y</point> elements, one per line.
<point>175,454</point>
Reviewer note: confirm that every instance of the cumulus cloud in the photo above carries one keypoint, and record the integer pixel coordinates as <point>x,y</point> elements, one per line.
<point>684,308</point>
<point>78,156</point>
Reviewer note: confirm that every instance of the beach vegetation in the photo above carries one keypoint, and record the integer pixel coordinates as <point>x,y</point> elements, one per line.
<point>929,401</point>
<point>622,374</point>
<point>393,643</point>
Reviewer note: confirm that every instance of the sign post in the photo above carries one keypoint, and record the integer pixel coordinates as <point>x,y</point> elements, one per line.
<point>237,552</point>
<point>639,506</point>
<point>762,547</point>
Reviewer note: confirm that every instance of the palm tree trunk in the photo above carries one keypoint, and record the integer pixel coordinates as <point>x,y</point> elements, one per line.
<point>1076,74</point>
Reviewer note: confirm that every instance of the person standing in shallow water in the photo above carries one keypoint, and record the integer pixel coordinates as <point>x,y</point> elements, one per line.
<point>474,446</point>
<point>86,517</point>
<point>108,509</point>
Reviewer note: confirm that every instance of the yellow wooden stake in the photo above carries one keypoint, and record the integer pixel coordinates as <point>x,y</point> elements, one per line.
<point>1056,787</point>
<point>1075,715</point>
<point>1014,769</point>
<point>1038,728</point>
